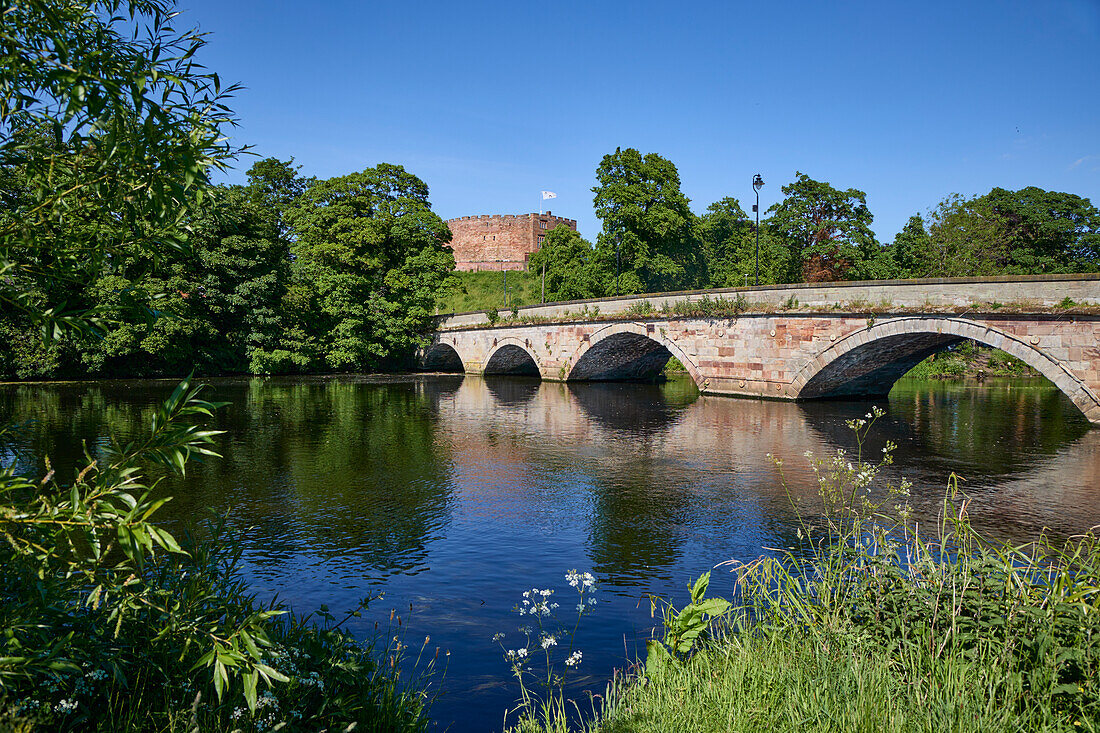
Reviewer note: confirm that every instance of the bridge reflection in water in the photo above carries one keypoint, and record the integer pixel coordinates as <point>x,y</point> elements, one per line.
<point>455,494</point>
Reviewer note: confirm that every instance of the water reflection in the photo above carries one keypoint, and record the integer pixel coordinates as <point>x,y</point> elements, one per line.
<point>454,493</point>
<point>637,409</point>
<point>513,391</point>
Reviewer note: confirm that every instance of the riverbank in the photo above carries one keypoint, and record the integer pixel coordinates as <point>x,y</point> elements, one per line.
<point>129,626</point>
<point>971,360</point>
<point>869,624</point>
<point>990,643</point>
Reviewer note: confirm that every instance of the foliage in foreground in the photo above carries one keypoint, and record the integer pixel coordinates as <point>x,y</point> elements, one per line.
<point>868,624</point>
<point>109,131</point>
<point>111,624</point>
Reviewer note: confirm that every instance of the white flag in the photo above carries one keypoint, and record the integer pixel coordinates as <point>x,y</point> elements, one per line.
<point>548,195</point>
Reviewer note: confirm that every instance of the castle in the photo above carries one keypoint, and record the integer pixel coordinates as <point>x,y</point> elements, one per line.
<point>501,241</point>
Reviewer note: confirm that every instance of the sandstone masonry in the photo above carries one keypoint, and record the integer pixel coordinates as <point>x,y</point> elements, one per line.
<point>500,241</point>
<point>832,348</point>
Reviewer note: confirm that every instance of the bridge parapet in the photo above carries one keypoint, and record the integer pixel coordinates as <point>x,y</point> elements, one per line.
<point>1023,292</point>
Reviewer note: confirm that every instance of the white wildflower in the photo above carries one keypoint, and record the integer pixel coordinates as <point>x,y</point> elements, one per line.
<point>65,706</point>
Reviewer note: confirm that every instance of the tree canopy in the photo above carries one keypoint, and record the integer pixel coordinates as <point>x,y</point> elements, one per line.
<point>284,274</point>
<point>369,261</point>
<point>728,239</point>
<point>827,231</point>
<point>111,128</point>
<point>1011,232</point>
<point>649,221</point>
<point>569,261</point>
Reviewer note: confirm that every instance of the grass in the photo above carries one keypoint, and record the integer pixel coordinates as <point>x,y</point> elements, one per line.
<point>867,624</point>
<point>482,291</point>
<point>789,680</point>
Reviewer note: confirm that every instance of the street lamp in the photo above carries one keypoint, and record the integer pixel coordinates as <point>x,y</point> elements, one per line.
<point>618,241</point>
<point>757,184</point>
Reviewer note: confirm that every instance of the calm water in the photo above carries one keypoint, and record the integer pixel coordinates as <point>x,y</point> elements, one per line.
<point>454,495</point>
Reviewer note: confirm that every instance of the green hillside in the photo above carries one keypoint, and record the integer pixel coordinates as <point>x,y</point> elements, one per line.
<point>479,291</point>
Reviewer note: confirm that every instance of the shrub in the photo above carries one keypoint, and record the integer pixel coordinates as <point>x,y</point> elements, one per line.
<point>113,624</point>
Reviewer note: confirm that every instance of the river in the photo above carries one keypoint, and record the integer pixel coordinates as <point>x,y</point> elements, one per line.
<point>453,495</point>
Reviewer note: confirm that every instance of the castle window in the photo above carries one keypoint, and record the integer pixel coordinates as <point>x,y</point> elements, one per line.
<point>541,238</point>
<point>542,224</point>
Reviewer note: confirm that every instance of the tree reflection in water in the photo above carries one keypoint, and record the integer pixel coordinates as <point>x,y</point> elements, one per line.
<point>454,493</point>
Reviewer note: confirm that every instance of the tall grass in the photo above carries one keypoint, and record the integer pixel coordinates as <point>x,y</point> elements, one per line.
<point>871,622</point>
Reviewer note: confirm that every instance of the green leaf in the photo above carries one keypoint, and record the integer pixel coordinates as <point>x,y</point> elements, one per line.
<point>270,673</point>
<point>657,660</point>
<point>250,679</point>
<point>699,589</point>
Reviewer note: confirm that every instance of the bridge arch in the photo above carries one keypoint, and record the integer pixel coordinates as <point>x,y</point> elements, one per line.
<point>868,362</point>
<point>511,355</point>
<point>441,357</point>
<point>625,351</point>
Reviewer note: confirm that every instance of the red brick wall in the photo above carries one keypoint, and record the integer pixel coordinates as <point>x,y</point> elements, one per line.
<point>500,242</point>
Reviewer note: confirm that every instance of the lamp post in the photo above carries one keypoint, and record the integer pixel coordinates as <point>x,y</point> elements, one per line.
<point>618,241</point>
<point>757,184</point>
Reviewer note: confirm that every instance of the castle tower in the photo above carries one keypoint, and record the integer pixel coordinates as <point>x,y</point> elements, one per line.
<point>501,241</point>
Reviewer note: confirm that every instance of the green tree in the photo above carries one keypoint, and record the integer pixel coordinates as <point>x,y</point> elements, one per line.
<point>728,238</point>
<point>827,231</point>
<point>649,220</point>
<point>570,265</point>
<point>205,308</point>
<point>369,260</point>
<point>113,128</point>
<point>274,186</point>
<point>1046,231</point>
<point>908,247</point>
<point>238,272</point>
<point>962,233</point>
<point>1012,232</point>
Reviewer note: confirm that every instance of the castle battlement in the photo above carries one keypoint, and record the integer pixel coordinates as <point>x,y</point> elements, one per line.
<point>546,215</point>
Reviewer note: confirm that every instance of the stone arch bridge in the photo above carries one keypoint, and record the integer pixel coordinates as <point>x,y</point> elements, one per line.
<point>792,342</point>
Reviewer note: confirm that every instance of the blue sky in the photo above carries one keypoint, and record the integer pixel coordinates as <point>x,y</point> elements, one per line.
<point>489,103</point>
